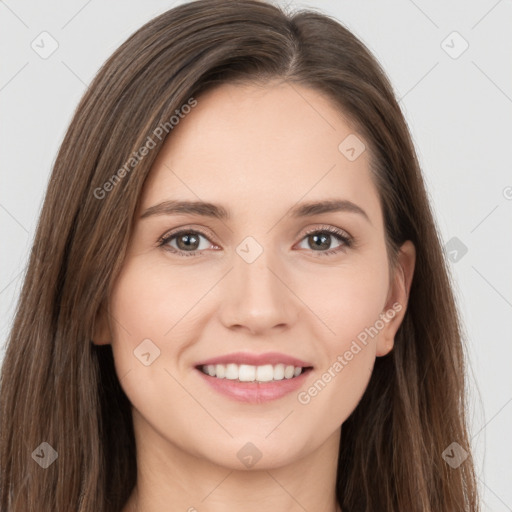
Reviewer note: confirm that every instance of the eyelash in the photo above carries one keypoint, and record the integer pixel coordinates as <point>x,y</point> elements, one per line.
<point>342,236</point>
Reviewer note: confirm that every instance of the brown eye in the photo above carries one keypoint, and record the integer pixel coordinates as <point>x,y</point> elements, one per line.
<point>187,241</point>
<point>320,240</point>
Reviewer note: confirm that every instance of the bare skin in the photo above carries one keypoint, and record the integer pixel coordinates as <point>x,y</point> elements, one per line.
<point>257,151</point>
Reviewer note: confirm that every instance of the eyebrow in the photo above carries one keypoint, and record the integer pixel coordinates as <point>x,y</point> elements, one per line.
<point>203,209</point>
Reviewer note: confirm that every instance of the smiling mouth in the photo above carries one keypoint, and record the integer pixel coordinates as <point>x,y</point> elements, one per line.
<point>248,373</point>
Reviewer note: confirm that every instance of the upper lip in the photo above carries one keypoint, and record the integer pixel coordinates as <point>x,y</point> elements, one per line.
<point>272,358</point>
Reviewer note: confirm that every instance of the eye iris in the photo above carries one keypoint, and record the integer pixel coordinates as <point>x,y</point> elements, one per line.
<point>188,245</point>
<point>324,244</point>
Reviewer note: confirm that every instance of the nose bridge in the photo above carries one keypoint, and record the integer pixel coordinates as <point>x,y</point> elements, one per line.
<point>252,270</point>
<point>258,296</point>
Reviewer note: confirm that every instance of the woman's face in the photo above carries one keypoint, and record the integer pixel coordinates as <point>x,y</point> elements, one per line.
<point>265,280</point>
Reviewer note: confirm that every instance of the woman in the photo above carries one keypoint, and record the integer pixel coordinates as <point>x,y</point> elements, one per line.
<point>237,295</point>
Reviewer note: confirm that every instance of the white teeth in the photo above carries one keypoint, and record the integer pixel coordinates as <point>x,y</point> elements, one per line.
<point>220,371</point>
<point>249,373</point>
<point>289,372</point>
<point>279,372</point>
<point>246,373</point>
<point>264,373</point>
<point>231,371</point>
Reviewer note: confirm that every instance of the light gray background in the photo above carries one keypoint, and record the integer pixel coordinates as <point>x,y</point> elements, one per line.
<point>459,111</point>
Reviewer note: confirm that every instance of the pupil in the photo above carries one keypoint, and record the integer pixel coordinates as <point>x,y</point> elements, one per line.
<point>322,237</point>
<point>187,244</point>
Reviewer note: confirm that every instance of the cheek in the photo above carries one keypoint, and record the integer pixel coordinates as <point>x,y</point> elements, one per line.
<point>153,310</point>
<point>136,306</point>
<point>140,317</point>
<point>147,301</point>
<point>148,333</point>
<point>350,352</point>
<point>346,299</point>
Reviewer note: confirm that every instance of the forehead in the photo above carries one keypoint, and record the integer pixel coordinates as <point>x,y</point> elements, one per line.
<point>257,146</point>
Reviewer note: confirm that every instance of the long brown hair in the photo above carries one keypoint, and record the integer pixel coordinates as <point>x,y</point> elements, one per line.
<point>59,388</point>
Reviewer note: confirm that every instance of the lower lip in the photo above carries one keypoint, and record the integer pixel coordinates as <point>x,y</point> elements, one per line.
<point>255,392</point>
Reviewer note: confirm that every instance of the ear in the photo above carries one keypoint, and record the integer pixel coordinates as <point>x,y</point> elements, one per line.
<point>102,333</point>
<point>398,296</point>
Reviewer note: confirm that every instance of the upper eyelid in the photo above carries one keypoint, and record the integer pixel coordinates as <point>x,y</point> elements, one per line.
<point>185,229</point>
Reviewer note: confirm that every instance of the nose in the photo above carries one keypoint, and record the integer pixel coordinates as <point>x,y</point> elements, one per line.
<point>257,297</point>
